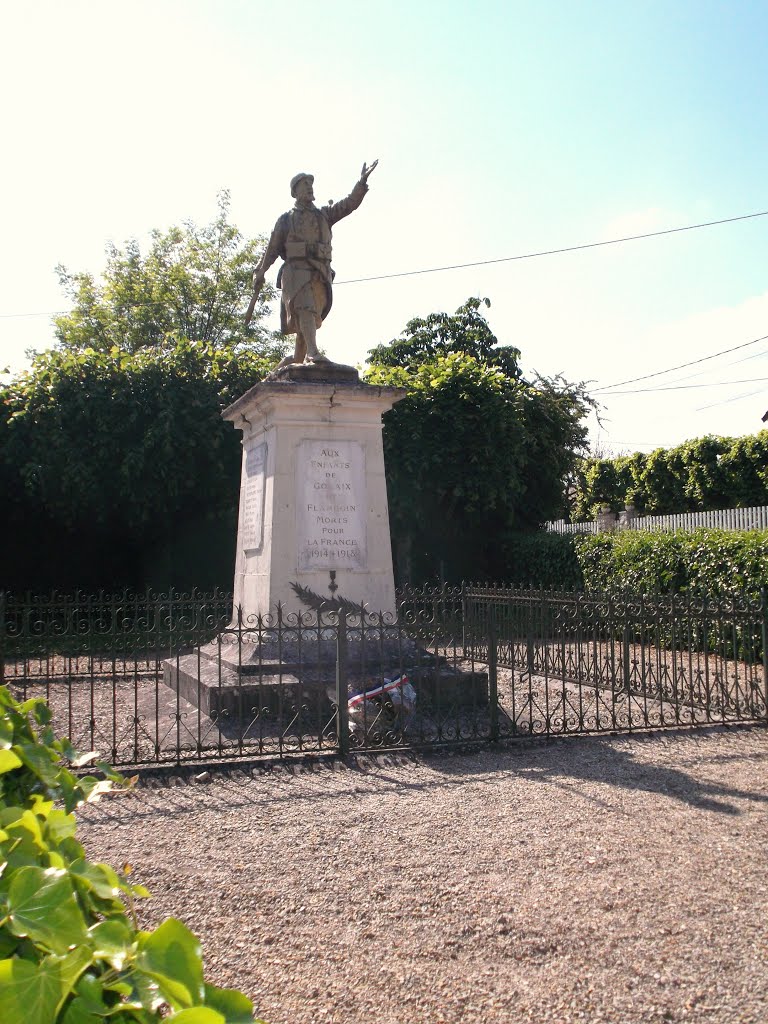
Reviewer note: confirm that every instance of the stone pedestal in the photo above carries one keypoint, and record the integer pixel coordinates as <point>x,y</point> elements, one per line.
<point>313,497</point>
<point>313,526</point>
<point>606,520</point>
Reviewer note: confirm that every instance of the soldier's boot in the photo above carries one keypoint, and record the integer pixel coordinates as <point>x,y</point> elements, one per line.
<point>297,356</point>
<point>308,332</point>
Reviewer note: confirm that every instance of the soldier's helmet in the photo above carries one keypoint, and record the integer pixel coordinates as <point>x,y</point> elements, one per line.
<point>300,177</point>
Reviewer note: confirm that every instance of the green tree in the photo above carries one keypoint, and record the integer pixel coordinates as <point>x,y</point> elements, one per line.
<point>473,453</point>
<point>115,464</point>
<point>613,482</point>
<point>193,283</point>
<point>744,469</point>
<point>699,475</point>
<point>439,334</point>
<point>703,475</point>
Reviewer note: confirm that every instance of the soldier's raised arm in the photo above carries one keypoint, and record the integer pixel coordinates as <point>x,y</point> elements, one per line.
<point>335,211</point>
<point>368,171</point>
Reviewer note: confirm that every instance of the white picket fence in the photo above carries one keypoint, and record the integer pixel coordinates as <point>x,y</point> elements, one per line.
<point>560,526</point>
<point>722,519</point>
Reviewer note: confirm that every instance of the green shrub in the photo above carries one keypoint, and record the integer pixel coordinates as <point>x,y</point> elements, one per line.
<point>547,560</point>
<point>70,948</point>
<point>707,473</point>
<point>717,563</point>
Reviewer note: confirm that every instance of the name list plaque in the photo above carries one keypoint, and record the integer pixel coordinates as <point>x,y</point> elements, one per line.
<point>331,505</point>
<point>253,497</point>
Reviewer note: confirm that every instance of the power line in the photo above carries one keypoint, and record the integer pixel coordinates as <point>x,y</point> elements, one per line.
<point>46,312</point>
<point>482,263</point>
<point>687,387</point>
<point>698,373</point>
<point>554,252</point>
<point>727,401</point>
<point>681,366</point>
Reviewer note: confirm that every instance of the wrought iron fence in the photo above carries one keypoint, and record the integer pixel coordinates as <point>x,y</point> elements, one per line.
<point>606,662</point>
<point>98,660</point>
<point>151,679</point>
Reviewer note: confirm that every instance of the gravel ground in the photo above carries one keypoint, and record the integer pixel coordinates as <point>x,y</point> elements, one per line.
<point>615,879</point>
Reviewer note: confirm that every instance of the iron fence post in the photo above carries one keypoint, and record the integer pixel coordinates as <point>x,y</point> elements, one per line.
<point>626,674</point>
<point>2,637</point>
<point>493,683</point>
<point>464,617</point>
<point>529,641</point>
<point>342,698</point>
<point>764,638</point>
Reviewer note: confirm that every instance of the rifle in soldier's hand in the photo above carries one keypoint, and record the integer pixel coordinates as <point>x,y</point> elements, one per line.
<point>258,284</point>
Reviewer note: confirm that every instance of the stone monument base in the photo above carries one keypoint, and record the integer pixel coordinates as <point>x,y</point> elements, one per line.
<point>241,680</point>
<point>222,690</point>
<point>321,372</point>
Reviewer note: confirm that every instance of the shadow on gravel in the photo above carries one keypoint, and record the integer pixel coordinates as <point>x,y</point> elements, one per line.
<point>610,760</point>
<point>600,759</point>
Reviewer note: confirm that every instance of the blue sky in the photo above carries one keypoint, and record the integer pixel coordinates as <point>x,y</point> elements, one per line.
<point>501,129</point>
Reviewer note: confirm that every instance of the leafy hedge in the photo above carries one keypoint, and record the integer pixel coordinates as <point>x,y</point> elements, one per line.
<point>706,561</point>
<point>70,948</point>
<point>712,562</point>
<point>547,560</point>
<point>117,468</point>
<point>707,473</point>
<point>471,455</point>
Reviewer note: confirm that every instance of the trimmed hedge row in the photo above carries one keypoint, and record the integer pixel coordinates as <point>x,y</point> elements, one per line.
<point>706,561</point>
<point>707,473</point>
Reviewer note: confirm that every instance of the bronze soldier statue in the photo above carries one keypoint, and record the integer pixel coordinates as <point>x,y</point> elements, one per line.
<point>302,237</point>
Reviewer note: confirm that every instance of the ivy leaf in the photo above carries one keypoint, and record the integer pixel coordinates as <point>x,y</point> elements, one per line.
<point>171,956</point>
<point>38,759</point>
<point>60,826</point>
<point>93,789</point>
<point>78,1013</point>
<point>8,944</point>
<point>236,1007</point>
<point>112,940</point>
<point>69,791</point>
<point>28,834</point>
<point>199,1015</point>
<point>8,760</point>
<point>42,906</point>
<point>82,759</point>
<point>34,993</point>
<point>42,713</point>
<point>90,992</point>
<point>99,878</point>
<point>138,991</point>
<point>6,732</point>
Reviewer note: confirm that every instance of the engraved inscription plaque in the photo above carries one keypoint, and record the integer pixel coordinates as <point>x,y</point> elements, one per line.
<point>331,505</point>
<point>253,497</point>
